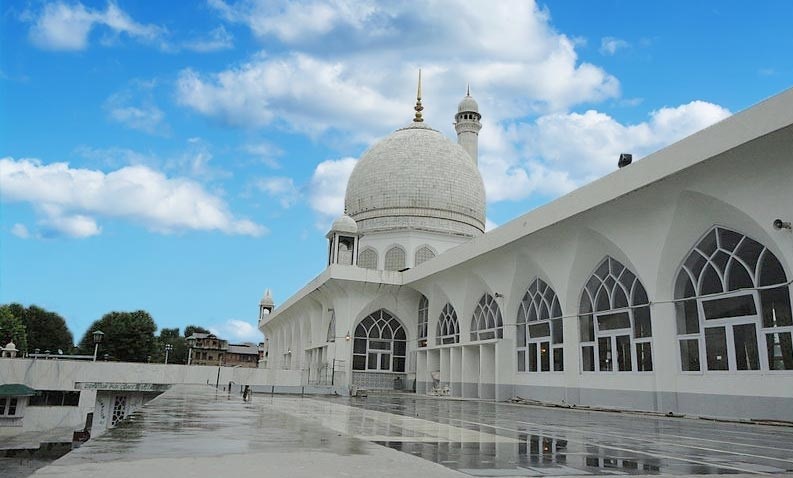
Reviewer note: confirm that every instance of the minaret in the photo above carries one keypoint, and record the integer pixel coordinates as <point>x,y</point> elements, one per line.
<point>467,125</point>
<point>266,305</point>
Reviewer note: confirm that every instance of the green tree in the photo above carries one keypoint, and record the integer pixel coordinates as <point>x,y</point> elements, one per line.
<point>129,336</point>
<point>46,330</point>
<point>192,329</point>
<point>171,337</point>
<point>12,328</point>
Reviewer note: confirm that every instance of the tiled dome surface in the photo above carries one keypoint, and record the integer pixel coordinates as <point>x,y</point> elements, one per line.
<point>416,178</point>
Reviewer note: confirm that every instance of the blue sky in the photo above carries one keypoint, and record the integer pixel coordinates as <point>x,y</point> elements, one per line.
<point>181,157</point>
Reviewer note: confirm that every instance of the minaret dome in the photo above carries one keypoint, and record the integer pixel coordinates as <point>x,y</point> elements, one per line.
<point>467,124</point>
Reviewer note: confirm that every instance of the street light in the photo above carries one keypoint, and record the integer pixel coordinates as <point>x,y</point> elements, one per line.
<point>98,335</point>
<point>168,348</point>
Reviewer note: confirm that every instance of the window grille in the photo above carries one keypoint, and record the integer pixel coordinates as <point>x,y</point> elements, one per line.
<point>724,323</point>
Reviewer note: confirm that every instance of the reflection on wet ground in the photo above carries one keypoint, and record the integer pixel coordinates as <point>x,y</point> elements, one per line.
<point>475,438</point>
<point>200,421</point>
<point>499,439</point>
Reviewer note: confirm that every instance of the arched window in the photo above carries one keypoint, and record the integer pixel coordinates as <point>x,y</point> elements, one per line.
<point>380,344</point>
<point>395,259</point>
<point>486,322</point>
<point>723,317</point>
<point>448,331</point>
<point>367,258</point>
<point>332,327</point>
<point>423,254</point>
<point>539,330</point>
<point>424,306</point>
<point>614,320</point>
<point>344,255</point>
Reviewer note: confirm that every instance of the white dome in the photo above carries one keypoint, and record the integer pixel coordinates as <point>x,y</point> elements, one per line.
<point>416,178</point>
<point>344,224</point>
<point>468,104</point>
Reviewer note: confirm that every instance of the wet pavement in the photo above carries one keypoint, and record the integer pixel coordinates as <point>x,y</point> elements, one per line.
<point>201,432</point>
<point>521,440</point>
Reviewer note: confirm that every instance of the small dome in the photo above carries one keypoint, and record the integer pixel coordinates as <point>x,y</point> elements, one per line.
<point>345,224</point>
<point>11,346</point>
<point>468,104</point>
<point>267,298</point>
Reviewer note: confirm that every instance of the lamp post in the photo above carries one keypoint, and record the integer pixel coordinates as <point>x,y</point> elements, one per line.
<point>98,335</point>
<point>168,348</point>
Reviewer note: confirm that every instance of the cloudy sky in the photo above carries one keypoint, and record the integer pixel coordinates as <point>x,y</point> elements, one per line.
<point>181,157</point>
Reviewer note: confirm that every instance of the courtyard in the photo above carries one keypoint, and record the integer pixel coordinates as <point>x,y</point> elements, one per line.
<point>200,431</point>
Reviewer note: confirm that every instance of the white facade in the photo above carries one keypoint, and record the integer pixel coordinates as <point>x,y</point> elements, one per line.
<point>557,318</point>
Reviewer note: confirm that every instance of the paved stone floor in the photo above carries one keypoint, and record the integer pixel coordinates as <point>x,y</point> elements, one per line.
<point>196,431</point>
<point>499,439</point>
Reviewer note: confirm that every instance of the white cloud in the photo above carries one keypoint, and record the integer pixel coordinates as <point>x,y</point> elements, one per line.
<point>349,67</point>
<point>294,21</point>
<point>588,144</point>
<point>352,67</point>
<point>327,188</point>
<point>77,226</point>
<point>134,107</point>
<point>264,152</point>
<point>196,161</point>
<point>20,230</point>
<point>66,26</point>
<point>70,200</point>
<point>309,95</point>
<point>281,188</point>
<point>559,152</point>
<point>237,331</point>
<point>218,39</point>
<point>610,45</point>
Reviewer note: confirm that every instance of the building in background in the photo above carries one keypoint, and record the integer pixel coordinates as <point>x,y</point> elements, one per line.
<point>208,349</point>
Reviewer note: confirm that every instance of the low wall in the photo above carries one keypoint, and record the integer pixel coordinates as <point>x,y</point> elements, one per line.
<point>64,375</point>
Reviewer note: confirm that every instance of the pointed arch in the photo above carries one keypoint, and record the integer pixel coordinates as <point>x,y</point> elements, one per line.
<point>720,314</point>
<point>380,343</point>
<point>395,258</point>
<point>423,254</point>
<point>448,329</point>
<point>367,258</point>
<point>539,330</point>
<point>486,321</point>
<point>614,321</point>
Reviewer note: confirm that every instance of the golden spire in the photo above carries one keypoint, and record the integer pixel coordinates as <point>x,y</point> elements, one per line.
<point>418,108</point>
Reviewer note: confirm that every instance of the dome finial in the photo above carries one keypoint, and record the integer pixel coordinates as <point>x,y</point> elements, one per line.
<point>468,89</point>
<point>418,107</point>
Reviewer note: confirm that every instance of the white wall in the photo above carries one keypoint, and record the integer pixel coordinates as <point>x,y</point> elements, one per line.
<point>63,374</point>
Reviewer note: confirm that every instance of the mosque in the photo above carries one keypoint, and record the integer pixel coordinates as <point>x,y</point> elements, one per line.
<point>664,286</point>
